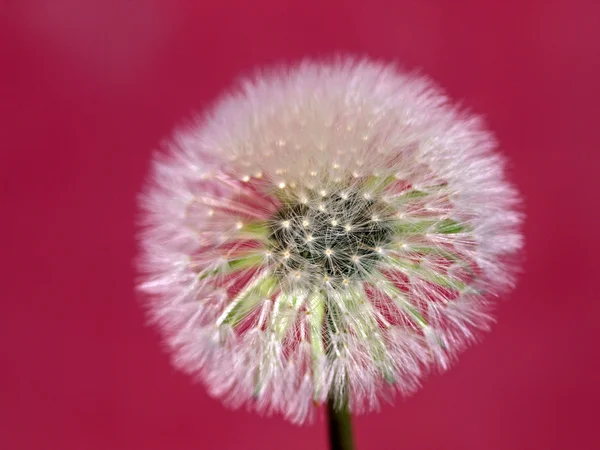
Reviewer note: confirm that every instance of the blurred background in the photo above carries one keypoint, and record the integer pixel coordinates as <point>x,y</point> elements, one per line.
<point>88,88</point>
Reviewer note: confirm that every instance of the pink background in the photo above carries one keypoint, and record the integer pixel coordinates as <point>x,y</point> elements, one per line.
<point>89,87</point>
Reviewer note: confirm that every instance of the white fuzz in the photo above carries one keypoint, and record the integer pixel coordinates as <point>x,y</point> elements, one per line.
<point>328,231</point>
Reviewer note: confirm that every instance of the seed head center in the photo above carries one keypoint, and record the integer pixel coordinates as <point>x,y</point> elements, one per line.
<point>337,236</point>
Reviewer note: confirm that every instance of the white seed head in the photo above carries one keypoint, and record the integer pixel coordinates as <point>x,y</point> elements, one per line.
<point>412,228</point>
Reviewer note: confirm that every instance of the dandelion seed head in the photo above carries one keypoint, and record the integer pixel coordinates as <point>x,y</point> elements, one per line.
<point>328,230</point>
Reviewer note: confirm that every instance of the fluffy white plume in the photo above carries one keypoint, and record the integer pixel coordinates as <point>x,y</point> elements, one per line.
<point>327,231</point>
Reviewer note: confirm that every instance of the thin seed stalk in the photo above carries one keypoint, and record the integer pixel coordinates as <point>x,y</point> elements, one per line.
<point>340,426</point>
<point>338,414</point>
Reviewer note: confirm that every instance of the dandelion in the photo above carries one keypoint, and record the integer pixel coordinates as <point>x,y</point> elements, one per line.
<point>328,233</point>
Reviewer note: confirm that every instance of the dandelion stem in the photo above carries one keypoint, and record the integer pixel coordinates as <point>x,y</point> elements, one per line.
<point>340,426</point>
<point>338,414</point>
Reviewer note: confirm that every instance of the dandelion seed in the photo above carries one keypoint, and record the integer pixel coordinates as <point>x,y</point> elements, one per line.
<point>281,320</point>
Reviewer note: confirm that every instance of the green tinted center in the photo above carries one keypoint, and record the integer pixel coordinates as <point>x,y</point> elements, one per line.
<point>340,237</point>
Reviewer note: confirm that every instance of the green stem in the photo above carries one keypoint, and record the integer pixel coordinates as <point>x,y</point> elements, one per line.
<point>340,426</point>
<point>338,414</point>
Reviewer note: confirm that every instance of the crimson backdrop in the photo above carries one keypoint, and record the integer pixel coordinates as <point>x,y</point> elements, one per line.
<point>90,87</point>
